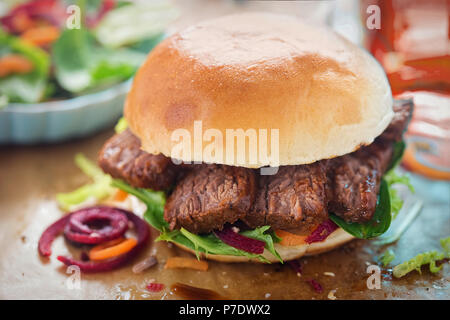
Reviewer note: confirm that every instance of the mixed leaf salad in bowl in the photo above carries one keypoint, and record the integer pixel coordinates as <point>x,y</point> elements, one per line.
<point>56,50</point>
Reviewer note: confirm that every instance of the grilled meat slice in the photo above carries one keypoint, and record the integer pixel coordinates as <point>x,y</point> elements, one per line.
<point>402,115</point>
<point>294,198</point>
<point>122,157</point>
<point>354,181</point>
<point>210,196</point>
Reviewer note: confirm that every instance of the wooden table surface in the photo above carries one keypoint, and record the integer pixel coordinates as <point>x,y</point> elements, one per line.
<point>31,176</point>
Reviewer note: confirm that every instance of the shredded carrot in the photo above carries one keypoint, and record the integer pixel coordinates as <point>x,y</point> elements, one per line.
<point>289,239</point>
<point>41,36</point>
<point>189,263</point>
<point>120,195</point>
<point>14,63</point>
<point>112,249</point>
<point>108,244</point>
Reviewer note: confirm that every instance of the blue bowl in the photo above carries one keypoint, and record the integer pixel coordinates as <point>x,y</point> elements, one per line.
<point>57,121</point>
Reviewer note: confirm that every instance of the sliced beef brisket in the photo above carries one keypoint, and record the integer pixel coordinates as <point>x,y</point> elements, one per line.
<point>122,157</point>
<point>402,115</point>
<point>354,181</point>
<point>210,196</point>
<point>294,198</point>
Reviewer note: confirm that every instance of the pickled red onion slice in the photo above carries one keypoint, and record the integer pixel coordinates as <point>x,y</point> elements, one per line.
<point>322,232</point>
<point>47,237</point>
<point>143,233</point>
<point>78,228</point>
<point>241,242</point>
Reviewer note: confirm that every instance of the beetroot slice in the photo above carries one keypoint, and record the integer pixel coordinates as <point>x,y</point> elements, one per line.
<point>155,287</point>
<point>241,242</point>
<point>315,285</point>
<point>106,6</point>
<point>78,229</point>
<point>143,233</point>
<point>47,237</point>
<point>322,232</point>
<point>296,266</point>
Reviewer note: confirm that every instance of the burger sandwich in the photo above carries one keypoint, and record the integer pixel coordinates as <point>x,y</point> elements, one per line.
<point>326,101</point>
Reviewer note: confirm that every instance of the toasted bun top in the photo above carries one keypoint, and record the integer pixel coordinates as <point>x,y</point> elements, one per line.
<point>257,71</point>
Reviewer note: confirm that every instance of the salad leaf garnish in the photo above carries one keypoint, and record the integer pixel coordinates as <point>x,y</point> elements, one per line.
<point>99,189</point>
<point>82,64</point>
<point>445,244</point>
<point>417,262</point>
<point>29,87</point>
<point>268,238</point>
<point>379,223</point>
<point>392,177</point>
<point>121,125</point>
<point>429,257</point>
<point>387,257</point>
<point>149,21</point>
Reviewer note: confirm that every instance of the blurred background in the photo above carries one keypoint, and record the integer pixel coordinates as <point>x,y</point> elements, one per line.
<point>66,66</point>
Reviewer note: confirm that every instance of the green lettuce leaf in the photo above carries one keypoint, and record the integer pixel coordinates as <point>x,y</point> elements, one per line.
<point>379,223</point>
<point>81,64</point>
<point>417,262</point>
<point>29,87</point>
<point>392,178</point>
<point>429,257</point>
<point>210,244</point>
<point>107,72</point>
<point>99,189</point>
<point>154,200</point>
<point>259,234</point>
<point>121,125</point>
<point>149,21</point>
<point>445,244</point>
<point>387,257</point>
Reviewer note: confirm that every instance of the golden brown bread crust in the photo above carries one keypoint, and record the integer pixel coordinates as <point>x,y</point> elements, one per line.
<point>261,71</point>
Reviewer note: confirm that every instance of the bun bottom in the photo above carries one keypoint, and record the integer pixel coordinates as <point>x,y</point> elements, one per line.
<point>334,240</point>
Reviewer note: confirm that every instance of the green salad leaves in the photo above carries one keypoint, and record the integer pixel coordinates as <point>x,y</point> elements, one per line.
<point>105,47</point>
<point>30,87</point>
<point>387,257</point>
<point>394,178</point>
<point>121,125</point>
<point>429,257</point>
<point>82,64</point>
<point>149,21</point>
<point>99,189</point>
